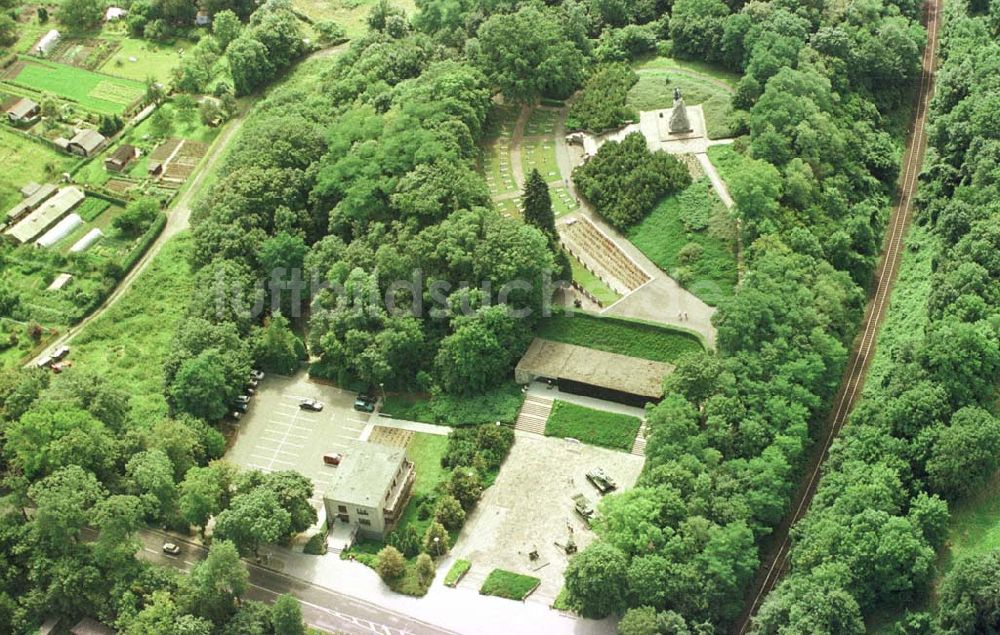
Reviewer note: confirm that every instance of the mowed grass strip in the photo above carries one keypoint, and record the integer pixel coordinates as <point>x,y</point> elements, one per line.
<point>594,427</point>
<point>510,585</point>
<point>458,569</point>
<point>625,337</point>
<point>93,91</point>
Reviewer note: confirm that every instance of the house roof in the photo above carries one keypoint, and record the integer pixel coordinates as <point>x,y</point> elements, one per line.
<point>365,474</point>
<point>42,218</point>
<point>21,108</point>
<point>124,153</point>
<point>88,139</point>
<point>37,196</point>
<point>545,358</point>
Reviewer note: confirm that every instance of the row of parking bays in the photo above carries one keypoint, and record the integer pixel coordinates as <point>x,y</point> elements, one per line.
<point>277,433</point>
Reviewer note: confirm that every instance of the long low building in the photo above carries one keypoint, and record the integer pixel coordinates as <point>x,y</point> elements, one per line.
<point>36,197</point>
<point>588,371</point>
<point>48,214</point>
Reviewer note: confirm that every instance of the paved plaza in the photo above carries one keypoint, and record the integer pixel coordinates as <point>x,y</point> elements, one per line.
<point>530,507</point>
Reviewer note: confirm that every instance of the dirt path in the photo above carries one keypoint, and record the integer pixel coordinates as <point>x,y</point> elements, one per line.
<point>178,218</point>
<point>775,562</point>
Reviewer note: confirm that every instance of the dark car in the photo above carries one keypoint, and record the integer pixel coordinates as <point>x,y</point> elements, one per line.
<point>312,405</point>
<point>364,403</point>
<point>241,407</point>
<point>333,458</point>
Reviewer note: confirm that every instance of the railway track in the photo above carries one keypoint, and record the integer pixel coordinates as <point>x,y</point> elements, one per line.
<point>776,563</point>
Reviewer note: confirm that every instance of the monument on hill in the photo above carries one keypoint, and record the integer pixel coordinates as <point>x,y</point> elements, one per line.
<point>679,123</point>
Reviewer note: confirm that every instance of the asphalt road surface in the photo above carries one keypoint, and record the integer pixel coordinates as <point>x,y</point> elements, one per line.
<point>321,608</point>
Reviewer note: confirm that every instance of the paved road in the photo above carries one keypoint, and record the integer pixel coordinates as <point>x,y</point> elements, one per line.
<point>775,563</point>
<point>322,608</point>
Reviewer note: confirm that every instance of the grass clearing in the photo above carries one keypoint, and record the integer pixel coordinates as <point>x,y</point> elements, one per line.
<point>25,160</point>
<point>594,285</point>
<point>691,236</point>
<point>502,404</point>
<point>458,569</point>
<point>617,335</point>
<point>510,585</point>
<point>93,91</point>
<point>727,161</point>
<point>654,92</point>
<point>656,62</point>
<point>141,59</point>
<point>595,427</point>
<point>129,343</point>
<point>350,14</point>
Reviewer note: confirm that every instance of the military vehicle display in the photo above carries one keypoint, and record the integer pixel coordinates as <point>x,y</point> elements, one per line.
<point>601,480</point>
<point>584,508</point>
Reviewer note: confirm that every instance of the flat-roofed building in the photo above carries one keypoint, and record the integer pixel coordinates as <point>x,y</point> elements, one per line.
<point>48,214</point>
<point>370,488</point>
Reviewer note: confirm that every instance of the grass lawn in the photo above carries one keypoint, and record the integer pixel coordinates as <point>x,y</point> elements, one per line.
<point>24,160</point>
<point>93,91</point>
<point>595,427</point>
<point>616,335</point>
<point>129,343</point>
<point>605,294</point>
<point>458,569</point>
<point>712,276</point>
<point>509,207</point>
<point>510,585</point>
<point>654,62</point>
<point>652,92</point>
<point>350,14</point>
<point>540,154</point>
<point>502,404</point>
<point>152,59</point>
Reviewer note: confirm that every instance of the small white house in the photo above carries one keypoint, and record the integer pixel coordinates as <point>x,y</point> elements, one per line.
<point>113,14</point>
<point>47,43</point>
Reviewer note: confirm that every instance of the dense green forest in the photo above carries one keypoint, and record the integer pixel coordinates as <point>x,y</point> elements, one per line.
<point>361,169</point>
<point>926,436</point>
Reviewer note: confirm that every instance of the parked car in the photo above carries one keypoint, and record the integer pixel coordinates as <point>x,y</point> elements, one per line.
<point>43,362</point>
<point>235,415</point>
<point>364,403</point>
<point>333,458</point>
<point>599,478</point>
<point>241,407</point>
<point>256,375</point>
<point>243,399</point>
<point>311,404</point>
<point>60,352</point>
<point>170,548</point>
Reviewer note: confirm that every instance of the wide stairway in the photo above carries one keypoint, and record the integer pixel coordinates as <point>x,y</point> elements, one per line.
<point>534,413</point>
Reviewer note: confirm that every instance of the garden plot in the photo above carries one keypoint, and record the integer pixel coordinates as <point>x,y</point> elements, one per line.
<point>87,53</point>
<point>96,92</point>
<point>183,163</point>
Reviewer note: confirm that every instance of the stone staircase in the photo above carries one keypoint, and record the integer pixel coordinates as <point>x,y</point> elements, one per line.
<point>534,413</point>
<point>639,445</point>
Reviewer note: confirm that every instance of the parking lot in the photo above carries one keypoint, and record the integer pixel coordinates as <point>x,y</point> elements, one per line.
<point>275,434</point>
<point>530,507</point>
